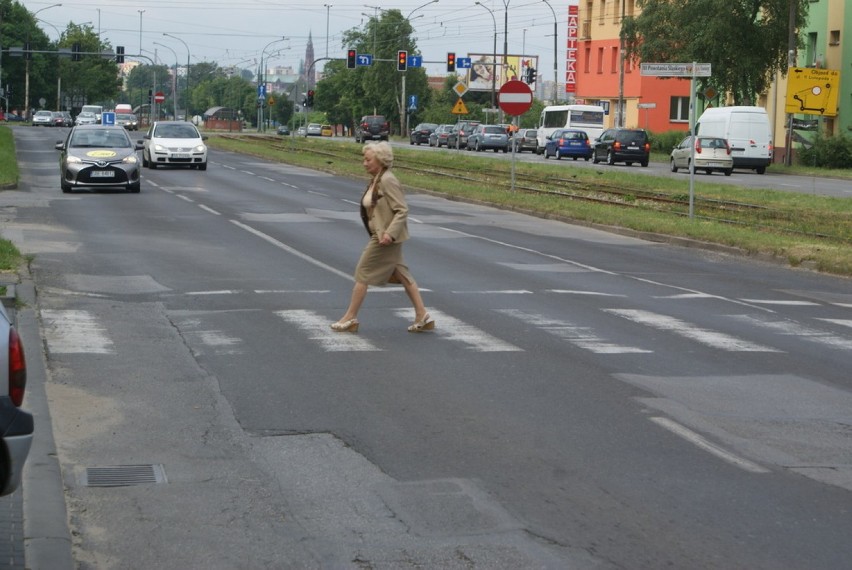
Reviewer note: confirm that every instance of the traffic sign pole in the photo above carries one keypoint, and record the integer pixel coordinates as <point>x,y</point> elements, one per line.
<point>515,98</point>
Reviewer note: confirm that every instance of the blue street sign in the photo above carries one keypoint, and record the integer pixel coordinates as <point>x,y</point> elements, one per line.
<point>261,91</point>
<point>412,102</point>
<point>462,63</point>
<point>415,61</point>
<point>363,59</point>
<point>108,118</point>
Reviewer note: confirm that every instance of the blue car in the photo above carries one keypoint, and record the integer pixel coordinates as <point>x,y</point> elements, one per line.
<point>568,142</point>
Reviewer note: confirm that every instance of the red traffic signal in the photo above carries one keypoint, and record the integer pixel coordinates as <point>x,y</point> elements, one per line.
<point>451,62</point>
<point>350,59</point>
<point>402,60</point>
<point>311,98</point>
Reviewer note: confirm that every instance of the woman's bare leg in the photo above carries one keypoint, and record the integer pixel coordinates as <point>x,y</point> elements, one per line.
<point>359,292</point>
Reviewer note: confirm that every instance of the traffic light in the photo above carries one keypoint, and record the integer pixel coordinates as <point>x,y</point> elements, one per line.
<point>75,52</point>
<point>531,75</point>
<point>402,60</point>
<point>311,98</point>
<point>350,59</point>
<point>451,62</point>
<point>119,54</point>
<point>27,53</point>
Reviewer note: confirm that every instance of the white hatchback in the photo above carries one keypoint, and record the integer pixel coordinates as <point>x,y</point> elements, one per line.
<point>711,154</point>
<point>175,143</point>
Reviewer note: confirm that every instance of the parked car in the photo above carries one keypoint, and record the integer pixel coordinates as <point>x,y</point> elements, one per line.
<point>86,118</point>
<point>712,154</point>
<point>372,127</point>
<point>302,131</point>
<point>61,119</point>
<point>524,139</point>
<point>568,142</point>
<point>283,130</point>
<point>176,143</point>
<point>461,131</point>
<point>314,130</point>
<point>12,117</point>
<point>420,134</point>
<point>16,425</point>
<point>485,137</point>
<point>438,137</point>
<point>622,145</point>
<point>326,131</point>
<point>43,119</point>
<point>127,120</point>
<point>98,156</point>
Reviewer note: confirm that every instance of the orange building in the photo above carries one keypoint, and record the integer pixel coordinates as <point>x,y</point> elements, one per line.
<point>653,103</point>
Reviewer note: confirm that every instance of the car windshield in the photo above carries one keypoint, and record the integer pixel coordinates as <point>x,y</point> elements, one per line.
<point>99,139</point>
<point>494,130</point>
<point>175,132</point>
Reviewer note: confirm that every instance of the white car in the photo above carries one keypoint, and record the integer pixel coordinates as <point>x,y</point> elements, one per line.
<point>86,118</point>
<point>17,435</point>
<point>711,154</point>
<point>43,118</point>
<point>176,143</point>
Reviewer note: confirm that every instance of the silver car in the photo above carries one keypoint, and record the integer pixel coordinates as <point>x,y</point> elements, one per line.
<point>98,156</point>
<point>86,118</point>
<point>712,154</point>
<point>17,434</point>
<point>43,119</point>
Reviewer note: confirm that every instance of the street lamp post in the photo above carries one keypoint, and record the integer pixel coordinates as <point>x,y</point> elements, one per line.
<point>555,49</point>
<point>186,115</point>
<point>27,71</point>
<point>174,79</point>
<point>493,58</point>
<point>140,30</point>
<point>327,15</point>
<point>505,43</point>
<point>261,80</point>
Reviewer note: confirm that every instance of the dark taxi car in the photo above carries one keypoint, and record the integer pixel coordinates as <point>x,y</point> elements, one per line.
<point>622,145</point>
<point>98,156</point>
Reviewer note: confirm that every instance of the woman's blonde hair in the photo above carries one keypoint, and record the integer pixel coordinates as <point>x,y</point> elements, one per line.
<point>382,150</point>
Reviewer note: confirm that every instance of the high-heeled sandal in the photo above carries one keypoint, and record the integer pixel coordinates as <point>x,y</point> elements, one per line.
<point>345,326</point>
<point>426,323</point>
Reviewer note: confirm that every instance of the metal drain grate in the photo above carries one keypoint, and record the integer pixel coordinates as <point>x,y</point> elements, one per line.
<point>123,475</point>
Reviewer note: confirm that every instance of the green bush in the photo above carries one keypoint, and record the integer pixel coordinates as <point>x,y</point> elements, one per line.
<point>665,142</point>
<point>827,152</point>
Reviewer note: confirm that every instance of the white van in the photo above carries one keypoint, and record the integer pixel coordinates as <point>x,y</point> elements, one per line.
<point>746,130</point>
<point>98,110</point>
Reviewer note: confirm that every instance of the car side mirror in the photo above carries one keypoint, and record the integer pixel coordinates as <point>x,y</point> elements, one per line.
<point>140,145</point>
<point>60,145</point>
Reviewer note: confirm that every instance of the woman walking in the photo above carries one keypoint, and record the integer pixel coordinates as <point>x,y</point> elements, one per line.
<point>385,215</point>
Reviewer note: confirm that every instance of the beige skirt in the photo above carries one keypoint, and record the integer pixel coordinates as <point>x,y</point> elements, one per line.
<point>379,263</point>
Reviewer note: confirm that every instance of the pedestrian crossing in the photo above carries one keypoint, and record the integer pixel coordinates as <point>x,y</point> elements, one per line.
<point>81,332</point>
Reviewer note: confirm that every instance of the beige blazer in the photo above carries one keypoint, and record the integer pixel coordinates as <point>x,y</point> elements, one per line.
<point>390,215</point>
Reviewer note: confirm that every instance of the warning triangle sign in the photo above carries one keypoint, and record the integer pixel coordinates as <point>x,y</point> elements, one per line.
<point>459,108</point>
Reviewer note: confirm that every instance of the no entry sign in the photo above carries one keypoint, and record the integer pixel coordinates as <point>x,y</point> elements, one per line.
<point>515,97</point>
<point>159,97</point>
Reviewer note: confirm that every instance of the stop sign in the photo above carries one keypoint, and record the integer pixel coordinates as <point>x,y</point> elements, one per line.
<point>515,97</point>
<point>159,97</point>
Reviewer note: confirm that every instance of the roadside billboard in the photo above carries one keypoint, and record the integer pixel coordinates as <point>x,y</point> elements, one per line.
<point>480,78</point>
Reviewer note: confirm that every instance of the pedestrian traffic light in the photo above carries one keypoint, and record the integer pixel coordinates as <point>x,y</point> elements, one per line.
<point>75,52</point>
<point>119,54</point>
<point>451,62</point>
<point>311,98</point>
<point>402,60</point>
<point>350,59</point>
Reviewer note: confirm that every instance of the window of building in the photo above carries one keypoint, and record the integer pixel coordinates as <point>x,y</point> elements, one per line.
<point>679,110</point>
<point>587,60</point>
<point>834,38</point>
<point>614,62</point>
<point>600,59</point>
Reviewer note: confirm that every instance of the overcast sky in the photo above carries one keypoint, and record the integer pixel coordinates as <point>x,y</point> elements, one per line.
<point>234,32</point>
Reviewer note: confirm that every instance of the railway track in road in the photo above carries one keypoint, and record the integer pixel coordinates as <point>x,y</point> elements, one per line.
<point>834,227</point>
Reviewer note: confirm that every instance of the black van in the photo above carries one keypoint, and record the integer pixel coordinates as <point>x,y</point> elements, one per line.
<point>622,145</point>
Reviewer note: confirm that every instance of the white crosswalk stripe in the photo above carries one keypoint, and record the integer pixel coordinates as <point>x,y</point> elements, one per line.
<point>69,332</point>
<point>450,328</point>
<point>791,328</point>
<point>580,336</point>
<point>318,329</point>
<point>706,337</point>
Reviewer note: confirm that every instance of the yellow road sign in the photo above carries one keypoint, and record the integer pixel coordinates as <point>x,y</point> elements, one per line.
<point>459,108</point>
<point>812,91</point>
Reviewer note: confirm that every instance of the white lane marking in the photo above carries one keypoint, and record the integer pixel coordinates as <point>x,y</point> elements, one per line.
<point>219,292</point>
<point>573,292</point>
<point>577,335</point>
<point>69,332</point>
<point>686,296</point>
<point>318,328</point>
<point>249,172</point>
<point>844,305</point>
<point>285,291</point>
<point>291,250</point>
<point>211,210</point>
<point>450,328</point>
<point>185,198</point>
<point>789,303</point>
<point>842,322</point>
<point>707,337</point>
<point>228,167</point>
<point>702,443</point>
<point>266,178</point>
<point>496,292</point>
<point>790,328</point>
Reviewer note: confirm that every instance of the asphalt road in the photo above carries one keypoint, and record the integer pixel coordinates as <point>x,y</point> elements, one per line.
<point>587,400</point>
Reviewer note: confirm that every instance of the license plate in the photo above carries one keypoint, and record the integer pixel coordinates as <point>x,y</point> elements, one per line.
<point>103,174</point>
<point>633,147</point>
<point>714,164</point>
<point>180,155</point>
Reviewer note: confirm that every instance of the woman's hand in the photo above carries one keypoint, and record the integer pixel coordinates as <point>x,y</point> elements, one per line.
<point>385,239</point>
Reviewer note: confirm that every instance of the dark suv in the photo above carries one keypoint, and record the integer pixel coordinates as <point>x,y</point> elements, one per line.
<point>622,145</point>
<point>372,127</point>
<point>458,136</point>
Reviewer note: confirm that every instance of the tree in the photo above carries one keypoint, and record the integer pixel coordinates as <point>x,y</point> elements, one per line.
<point>92,80</point>
<point>745,41</point>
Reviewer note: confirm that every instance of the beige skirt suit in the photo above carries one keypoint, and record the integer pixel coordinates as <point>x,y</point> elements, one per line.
<point>383,210</point>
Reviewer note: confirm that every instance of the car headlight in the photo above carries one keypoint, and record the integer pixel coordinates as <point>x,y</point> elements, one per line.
<point>130,159</point>
<point>73,160</point>
<point>159,148</point>
<point>200,148</point>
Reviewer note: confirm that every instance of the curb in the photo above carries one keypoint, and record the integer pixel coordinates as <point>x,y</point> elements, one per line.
<point>47,538</point>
